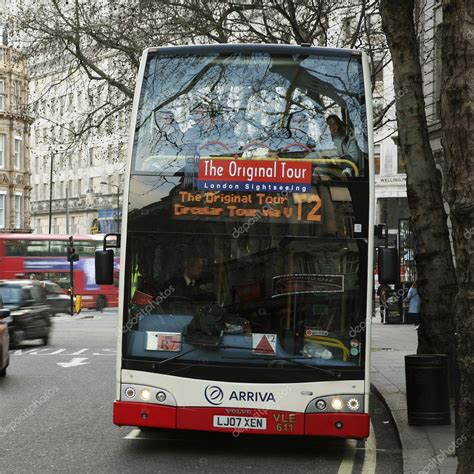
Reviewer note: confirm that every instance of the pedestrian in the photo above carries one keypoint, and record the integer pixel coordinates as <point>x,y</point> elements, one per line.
<point>414,305</point>
<point>345,143</point>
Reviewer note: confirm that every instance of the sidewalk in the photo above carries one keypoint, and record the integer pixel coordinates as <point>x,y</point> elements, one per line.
<point>426,449</point>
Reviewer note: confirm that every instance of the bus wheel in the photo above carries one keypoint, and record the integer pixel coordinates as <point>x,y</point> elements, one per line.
<point>101,303</point>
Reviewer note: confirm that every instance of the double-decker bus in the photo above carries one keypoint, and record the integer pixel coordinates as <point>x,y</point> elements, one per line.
<point>45,257</point>
<point>247,240</point>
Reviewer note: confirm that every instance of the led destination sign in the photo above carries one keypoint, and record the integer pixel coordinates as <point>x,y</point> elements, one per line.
<point>297,207</point>
<point>254,175</point>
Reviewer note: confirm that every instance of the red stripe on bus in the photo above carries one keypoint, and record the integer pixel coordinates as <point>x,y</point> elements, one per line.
<point>341,425</point>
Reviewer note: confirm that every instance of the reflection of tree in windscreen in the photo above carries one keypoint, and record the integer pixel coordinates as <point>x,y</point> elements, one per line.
<point>165,130</point>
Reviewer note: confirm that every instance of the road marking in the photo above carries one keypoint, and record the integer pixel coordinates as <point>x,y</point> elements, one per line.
<point>370,455</point>
<point>48,351</point>
<point>21,352</point>
<point>57,352</point>
<point>79,352</point>
<point>133,434</point>
<point>347,463</point>
<point>74,362</point>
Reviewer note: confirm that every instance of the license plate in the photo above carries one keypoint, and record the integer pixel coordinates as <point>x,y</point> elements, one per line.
<point>242,422</point>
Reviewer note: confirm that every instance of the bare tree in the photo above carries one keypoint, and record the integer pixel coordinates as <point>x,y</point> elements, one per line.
<point>458,144</point>
<point>103,41</point>
<point>436,279</point>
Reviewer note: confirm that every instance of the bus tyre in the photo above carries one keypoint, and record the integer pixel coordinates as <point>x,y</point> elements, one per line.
<point>46,340</point>
<point>17,337</point>
<point>101,303</point>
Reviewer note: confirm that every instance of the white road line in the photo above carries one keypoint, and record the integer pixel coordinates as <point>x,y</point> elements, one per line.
<point>49,351</point>
<point>133,434</point>
<point>370,455</point>
<point>347,463</point>
<point>74,362</point>
<point>57,352</point>
<point>79,352</point>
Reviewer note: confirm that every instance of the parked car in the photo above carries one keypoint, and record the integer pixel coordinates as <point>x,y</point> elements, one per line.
<point>59,302</point>
<point>4,341</point>
<point>30,313</point>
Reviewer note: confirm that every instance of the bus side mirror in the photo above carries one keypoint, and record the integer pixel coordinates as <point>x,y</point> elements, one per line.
<point>388,266</point>
<point>104,267</point>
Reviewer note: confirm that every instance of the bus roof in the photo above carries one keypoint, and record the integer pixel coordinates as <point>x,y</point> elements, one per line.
<point>269,48</point>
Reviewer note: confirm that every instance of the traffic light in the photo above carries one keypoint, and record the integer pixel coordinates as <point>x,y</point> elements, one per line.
<point>72,256</point>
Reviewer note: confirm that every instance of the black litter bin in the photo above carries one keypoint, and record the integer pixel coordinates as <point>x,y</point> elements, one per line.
<point>427,389</point>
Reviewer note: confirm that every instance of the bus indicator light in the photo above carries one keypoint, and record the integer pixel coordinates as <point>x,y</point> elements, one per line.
<point>130,392</point>
<point>353,404</point>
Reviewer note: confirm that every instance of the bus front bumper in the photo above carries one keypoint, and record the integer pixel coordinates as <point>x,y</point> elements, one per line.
<point>236,421</point>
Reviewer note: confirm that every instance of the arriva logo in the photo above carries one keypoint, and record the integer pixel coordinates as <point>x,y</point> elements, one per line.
<point>252,396</point>
<point>214,395</point>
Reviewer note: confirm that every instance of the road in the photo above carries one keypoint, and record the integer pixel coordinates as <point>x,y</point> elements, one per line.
<point>56,412</point>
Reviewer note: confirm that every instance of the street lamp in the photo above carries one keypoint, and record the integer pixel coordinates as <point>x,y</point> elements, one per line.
<point>118,202</point>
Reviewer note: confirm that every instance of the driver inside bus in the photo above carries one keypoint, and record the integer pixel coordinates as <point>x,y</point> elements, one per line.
<point>190,283</point>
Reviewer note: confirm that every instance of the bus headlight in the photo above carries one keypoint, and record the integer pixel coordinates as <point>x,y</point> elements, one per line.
<point>337,404</point>
<point>161,396</point>
<point>145,394</point>
<point>320,404</point>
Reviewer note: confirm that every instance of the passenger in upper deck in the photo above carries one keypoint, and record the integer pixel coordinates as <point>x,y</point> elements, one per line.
<point>345,143</point>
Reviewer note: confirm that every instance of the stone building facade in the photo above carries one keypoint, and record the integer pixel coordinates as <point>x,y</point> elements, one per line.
<point>14,143</point>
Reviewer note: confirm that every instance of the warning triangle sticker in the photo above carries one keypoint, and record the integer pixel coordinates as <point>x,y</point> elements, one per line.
<point>264,347</point>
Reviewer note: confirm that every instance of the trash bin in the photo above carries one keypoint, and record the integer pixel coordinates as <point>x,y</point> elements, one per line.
<point>427,389</point>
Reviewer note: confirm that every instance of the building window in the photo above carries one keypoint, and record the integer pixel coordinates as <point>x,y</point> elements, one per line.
<point>2,95</point>
<point>349,28</point>
<point>79,187</point>
<point>17,153</point>
<point>401,163</point>
<point>377,158</point>
<point>2,151</point>
<point>18,211</point>
<point>91,156</point>
<point>2,211</point>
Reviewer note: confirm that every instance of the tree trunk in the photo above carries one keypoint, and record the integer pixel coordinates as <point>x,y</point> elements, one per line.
<point>458,143</point>
<point>434,264</point>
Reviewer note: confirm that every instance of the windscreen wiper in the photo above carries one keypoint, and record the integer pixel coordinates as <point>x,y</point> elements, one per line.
<point>298,361</point>
<point>203,346</point>
<point>295,360</point>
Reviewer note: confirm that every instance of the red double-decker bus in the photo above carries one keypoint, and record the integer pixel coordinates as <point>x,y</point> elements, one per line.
<point>45,256</point>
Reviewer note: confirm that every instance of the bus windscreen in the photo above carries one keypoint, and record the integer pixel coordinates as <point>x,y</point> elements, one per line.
<point>248,217</point>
